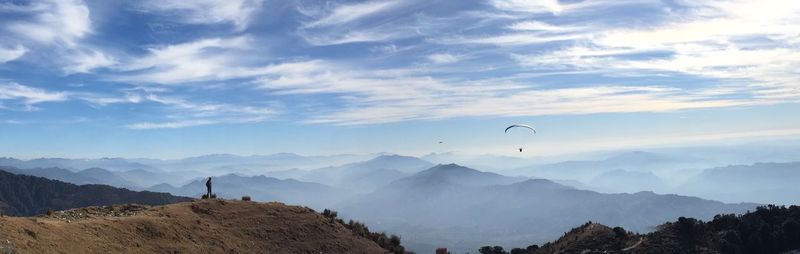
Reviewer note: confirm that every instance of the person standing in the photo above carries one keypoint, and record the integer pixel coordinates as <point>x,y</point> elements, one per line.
<point>208,187</point>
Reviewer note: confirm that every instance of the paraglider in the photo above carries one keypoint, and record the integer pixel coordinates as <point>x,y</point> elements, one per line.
<point>521,126</point>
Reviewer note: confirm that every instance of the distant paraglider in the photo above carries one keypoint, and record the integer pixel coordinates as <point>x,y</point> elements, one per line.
<point>521,126</point>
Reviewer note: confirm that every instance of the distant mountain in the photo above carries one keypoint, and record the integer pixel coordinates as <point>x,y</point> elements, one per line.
<point>107,177</point>
<point>86,176</point>
<point>450,205</point>
<point>287,174</point>
<point>113,164</point>
<point>216,164</point>
<point>454,174</point>
<point>488,162</point>
<point>635,161</point>
<point>263,188</point>
<point>405,164</point>
<point>59,174</point>
<point>767,230</point>
<point>23,195</point>
<point>367,175</point>
<point>616,181</point>
<point>760,182</point>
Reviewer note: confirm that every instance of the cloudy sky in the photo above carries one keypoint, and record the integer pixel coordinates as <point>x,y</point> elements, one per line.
<point>172,78</point>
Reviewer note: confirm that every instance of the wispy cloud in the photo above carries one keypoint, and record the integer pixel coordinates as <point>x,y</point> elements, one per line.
<point>169,125</point>
<point>533,6</point>
<point>442,58</point>
<point>27,96</point>
<point>85,62</point>
<point>183,113</point>
<point>204,59</point>
<point>370,97</point>
<point>347,23</point>
<point>236,12</point>
<point>60,21</point>
<point>346,13</point>
<point>11,53</point>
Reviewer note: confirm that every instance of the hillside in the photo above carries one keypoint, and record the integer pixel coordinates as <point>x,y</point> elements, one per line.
<point>771,229</point>
<point>23,195</point>
<point>208,226</point>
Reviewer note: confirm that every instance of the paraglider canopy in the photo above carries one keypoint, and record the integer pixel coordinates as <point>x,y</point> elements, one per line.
<point>521,126</point>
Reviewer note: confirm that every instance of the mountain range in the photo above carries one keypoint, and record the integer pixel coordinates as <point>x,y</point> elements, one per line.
<point>451,205</point>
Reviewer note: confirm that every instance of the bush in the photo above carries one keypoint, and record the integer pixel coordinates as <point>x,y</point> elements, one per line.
<point>391,243</point>
<point>245,198</point>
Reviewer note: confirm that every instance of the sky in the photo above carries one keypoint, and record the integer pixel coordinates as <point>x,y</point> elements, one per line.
<point>174,78</point>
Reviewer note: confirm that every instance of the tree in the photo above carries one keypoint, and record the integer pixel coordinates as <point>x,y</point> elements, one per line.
<point>492,250</point>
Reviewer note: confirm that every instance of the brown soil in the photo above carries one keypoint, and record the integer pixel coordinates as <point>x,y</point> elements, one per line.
<point>201,226</point>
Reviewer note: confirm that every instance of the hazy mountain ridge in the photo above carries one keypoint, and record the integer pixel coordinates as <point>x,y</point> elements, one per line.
<point>263,188</point>
<point>30,195</point>
<point>760,182</point>
<point>431,208</point>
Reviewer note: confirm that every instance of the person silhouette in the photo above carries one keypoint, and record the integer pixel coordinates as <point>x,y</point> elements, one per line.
<point>208,186</point>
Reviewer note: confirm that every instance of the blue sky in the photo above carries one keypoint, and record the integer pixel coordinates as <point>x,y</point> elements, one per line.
<point>172,78</point>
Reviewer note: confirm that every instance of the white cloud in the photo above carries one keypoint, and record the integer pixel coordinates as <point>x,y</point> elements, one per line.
<point>29,95</point>
<point>516,38</point>
<point>190,113</point>
<point>54,21</point>
<point>750,46</point>
<point>533,6</point>
<point>346,13</point>
<point>11,54</point>
<point>533,25</point>
<point>237,12</point>
<point>200,60</point>
<point>382,96</point>
<point>442,58</point>
<point>169,125</point>
<point>347,23</point>
<point>85,62</point>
